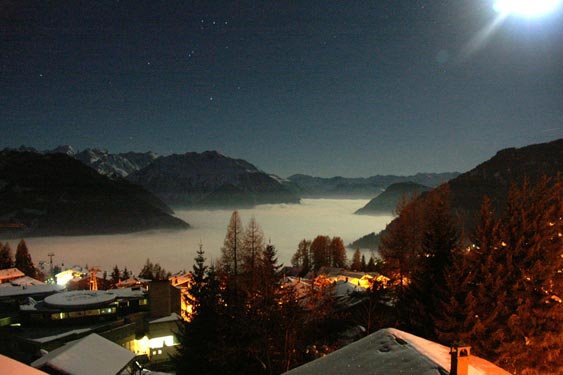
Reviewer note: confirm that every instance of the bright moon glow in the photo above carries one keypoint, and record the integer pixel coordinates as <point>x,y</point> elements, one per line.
<point>526,8</point>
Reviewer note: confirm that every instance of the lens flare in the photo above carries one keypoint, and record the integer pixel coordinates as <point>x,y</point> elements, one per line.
<point>526,8</point>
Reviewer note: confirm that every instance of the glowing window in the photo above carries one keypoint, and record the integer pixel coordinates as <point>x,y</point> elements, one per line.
<point>159,342</point>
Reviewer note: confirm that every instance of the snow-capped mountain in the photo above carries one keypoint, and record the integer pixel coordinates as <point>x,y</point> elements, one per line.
<point>210,179</point>
<point>111,165</point>
<point>63,149</point>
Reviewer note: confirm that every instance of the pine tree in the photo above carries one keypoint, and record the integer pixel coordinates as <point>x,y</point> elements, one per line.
<point>199,268</point>
<point>364,265</point>
<point>422,303</point>
<point>269,272</point>
<point>479,282</point>
<point>231,257</point>
<point>23,260</point>
<point>6,260</point>
<point>116,275</point>
<point>251,250</point>
<point>196,291</point>
<point>125,274</point>
<point>147,272</point>
<point>529,321</point>
<point>337,252</point>
<point>302,257</point>
<point>201,339</point>
<point>371,267</point>
<point>356,261</point>
<point>401,244</point>
<point>320,251</point>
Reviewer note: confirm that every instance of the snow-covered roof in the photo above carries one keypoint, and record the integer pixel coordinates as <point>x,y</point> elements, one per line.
<point>345,288</point>
<point>80,298</point>
<point>132,281</point>
<point>126,293</point>
<point>92,354</point>
<point>391,351</point>
<point>61,335</point>
<point>26,280</point>
<point>170,318</point>
<point>11,366</point>
<point>10,273</point>
<point>17,290</point>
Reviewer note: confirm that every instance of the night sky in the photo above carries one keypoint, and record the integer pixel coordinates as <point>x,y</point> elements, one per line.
<point>351,88</point>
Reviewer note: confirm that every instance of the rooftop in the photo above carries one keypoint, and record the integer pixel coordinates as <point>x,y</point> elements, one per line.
<point>28,290</point>
<point>11,366</point>
<point>80,298</point>
<point>10,273</point>
<point>90,355</point>
<point>391,351</point>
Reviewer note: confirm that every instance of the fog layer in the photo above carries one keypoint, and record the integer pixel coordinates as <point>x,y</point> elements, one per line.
<point>284,225</point>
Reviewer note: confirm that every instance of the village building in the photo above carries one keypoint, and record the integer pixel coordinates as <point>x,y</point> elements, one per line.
<point>142,318</point>
<point>159,341</point>
<point>92,354</point>
<point>89,305</point>
<point>362,279</point>
<point>9,274</point>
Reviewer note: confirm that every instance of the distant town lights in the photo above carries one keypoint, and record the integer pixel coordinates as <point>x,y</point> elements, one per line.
<point>526,8</point>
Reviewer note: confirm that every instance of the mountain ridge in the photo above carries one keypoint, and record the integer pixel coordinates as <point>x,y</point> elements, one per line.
<point>55,194</point>
<point>493,178</point>
<point>360,187</point>
<point>387,201</point>
<point>210,179</point>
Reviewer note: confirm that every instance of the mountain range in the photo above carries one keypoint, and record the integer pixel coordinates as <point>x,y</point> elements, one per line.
<point>210,179</point>
<point>493,178</point>
<point>192,179</point>
<point>54,194</point>
<point>368,187</point>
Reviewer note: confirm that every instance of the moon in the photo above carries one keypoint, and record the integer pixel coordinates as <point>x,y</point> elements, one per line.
<point>526,8</point>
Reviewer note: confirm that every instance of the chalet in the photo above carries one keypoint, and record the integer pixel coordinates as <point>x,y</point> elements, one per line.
<point>159,341</point>
<point>10,274</point>
<point>134,282</point>
<point>361,279</point>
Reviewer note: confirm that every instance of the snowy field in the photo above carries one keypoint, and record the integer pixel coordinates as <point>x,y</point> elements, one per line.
<point>284,224</point>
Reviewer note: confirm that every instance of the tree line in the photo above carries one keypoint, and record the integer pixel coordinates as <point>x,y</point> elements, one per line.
<point>498,289</point>
<point>324,251</point>
<point>245,319</point>
<point>21,261</point>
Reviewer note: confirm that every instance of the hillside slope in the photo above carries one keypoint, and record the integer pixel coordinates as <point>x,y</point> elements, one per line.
<point>494,177</point>
<point>387,201</point>
<point>54,194</point>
